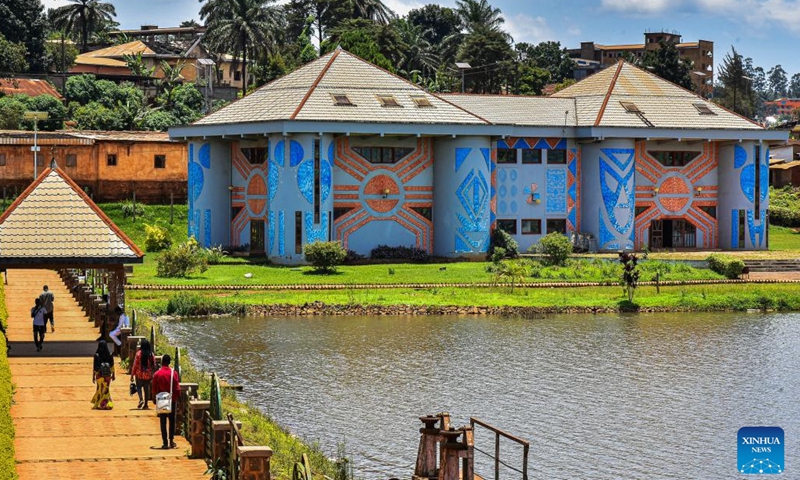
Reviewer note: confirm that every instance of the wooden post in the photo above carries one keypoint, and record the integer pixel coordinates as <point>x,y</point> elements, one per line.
<point>196,434</point>
<point>451,449</point>
<point>124,333</point>
<point>496,456</point>
<point>444,425</point>
<point>188,391</point>
<point>468,454</point>
<point>426,454</point>
<point>254,463</point>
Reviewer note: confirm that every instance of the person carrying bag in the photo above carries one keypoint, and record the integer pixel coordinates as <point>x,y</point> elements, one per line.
<point>166,388</point>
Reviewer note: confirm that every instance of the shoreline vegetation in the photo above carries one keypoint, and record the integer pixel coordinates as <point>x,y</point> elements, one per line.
<point>258,428</point>
<point>8,465</point>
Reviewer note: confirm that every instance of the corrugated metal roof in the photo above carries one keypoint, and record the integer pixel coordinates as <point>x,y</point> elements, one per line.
<point>32,87</point>
<point>80,137</point>
<point>785,165</point>
<point>54,219</point>
<point>99,61</point>
<point>117,51</point>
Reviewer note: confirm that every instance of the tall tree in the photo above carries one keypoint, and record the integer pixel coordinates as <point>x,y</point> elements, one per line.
<point>241,27</point>
<point>417,53</point>
<point>441,27</point>
<point>489,53</point>
<point>84,16</point>
<point>667,64</point>
<point>479,15</point>
<point>777,81</point>
<point>549,56</point>
<point>12,56</point>
<point>735,91</point>
<point>374,10</point>
<point>23,22</point>
<point>794,86</point>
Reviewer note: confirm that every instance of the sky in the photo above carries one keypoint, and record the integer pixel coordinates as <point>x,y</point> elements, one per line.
<point>764,30</point>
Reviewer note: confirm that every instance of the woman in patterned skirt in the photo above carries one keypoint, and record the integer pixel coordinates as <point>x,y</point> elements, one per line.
<point>102,375</point>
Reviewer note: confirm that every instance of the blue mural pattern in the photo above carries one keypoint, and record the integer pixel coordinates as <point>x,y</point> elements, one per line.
<point>207,226</point>
<point>271,231</point>
<point>756,229</point>
<point>556,190</point>
<point>617,185</point>
<point>281,233</point>
<point>316,234</point>
<point>473,194</point>
<point>196,182</point>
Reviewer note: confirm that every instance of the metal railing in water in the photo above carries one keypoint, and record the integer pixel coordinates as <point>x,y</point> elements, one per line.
<point>497,462</point>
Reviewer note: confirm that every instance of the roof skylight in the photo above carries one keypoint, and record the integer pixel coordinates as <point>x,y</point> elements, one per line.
<point>630,107</point>
<point>703,109</point>
<point>421,101</point>
<point>342,100</point>
<point>388,101</point>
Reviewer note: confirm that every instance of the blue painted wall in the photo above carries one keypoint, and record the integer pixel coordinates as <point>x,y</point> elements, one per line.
<point>608,196</point>
<point>737,177</point>
<point>209,198</point>
<point>461,197</point>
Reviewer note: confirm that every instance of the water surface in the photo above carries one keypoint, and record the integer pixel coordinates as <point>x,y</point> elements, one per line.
<point>601,397</point>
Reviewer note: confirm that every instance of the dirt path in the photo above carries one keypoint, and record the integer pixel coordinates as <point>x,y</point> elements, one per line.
<point>58,435</point>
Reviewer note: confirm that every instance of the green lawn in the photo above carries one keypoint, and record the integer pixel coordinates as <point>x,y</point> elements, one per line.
<point>784,239</point>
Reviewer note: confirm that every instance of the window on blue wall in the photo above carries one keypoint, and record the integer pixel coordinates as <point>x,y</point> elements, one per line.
<point>339,212</point>
<point>556,225</point>
<point>673,158</point>
<point>508,225</point>
<point>256,156</point>
<point>556,157</point>
<point>383,154</point>
<point>531,155</point>
<point>640,210</point>
<point>425,212</point>
<point>741,228</point>
<point>506,155</point>
<point>710,211</point>
<point>298,232</point>
<point>531,226</point>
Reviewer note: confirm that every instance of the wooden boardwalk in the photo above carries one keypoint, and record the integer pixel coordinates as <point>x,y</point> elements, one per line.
<point>58,435</point>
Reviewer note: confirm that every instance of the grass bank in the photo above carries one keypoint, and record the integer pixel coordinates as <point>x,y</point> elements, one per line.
<point>8,466</point>
<point>725,297</point>
<point>257,428</point>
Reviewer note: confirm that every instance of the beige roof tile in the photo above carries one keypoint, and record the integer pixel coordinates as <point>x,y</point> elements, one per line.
<point>306,94</point>
<point>518,109</point>
<point>53,219</point>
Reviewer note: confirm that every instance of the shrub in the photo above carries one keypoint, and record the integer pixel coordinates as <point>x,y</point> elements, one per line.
<point>555,247</point>
<point>214,255</point>
<point>157,238</point>
<point>726,265</point>
<point>185,304</point>
<point>128,209</point>
<point>181,261</point>
<point>325,256</point>
<point>784,206</point>
<point>502,240</point>
<point>512,272</point>
<point>353,257</point>
<point>412,254</point>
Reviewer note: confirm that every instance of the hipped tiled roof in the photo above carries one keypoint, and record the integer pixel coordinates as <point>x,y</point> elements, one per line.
<point>518,109</point>
<point>307,94</point>
<point>54,222</point>
<point>662,104</point>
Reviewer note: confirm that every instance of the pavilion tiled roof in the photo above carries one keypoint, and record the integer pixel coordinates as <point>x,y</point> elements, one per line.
<point>307,94</point>
<point>520,110</point>
<point>54,222</point>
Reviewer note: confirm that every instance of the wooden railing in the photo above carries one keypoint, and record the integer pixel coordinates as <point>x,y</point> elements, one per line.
<point>496,457</point>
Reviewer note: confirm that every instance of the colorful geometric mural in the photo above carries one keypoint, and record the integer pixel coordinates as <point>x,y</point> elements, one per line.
<point>617,184</point>
<point>678,193</point>
<point>556,191</point>
<point>507,191</point>
<point>474,195</point>
<point>196,183</point>
<point>252,199</point>
<point>573,190</point>
<point>533,142</point>
<point>382,192</point>
<point>747,182</point>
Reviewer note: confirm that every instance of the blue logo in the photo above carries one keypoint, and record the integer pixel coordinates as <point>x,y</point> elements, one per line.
<point>760,450</point>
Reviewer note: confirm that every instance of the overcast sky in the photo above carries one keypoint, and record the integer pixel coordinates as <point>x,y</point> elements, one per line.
<point>765,30</point>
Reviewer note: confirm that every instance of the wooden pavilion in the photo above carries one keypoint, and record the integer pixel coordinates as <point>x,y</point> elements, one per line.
<point>54,224</point>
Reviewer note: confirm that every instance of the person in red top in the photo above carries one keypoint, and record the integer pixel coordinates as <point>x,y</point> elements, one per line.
<point>162,380</point>
<point>142,371</point>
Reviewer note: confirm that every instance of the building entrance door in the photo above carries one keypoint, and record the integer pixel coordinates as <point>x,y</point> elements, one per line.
<point>256,236</point>
<point>667,233</point>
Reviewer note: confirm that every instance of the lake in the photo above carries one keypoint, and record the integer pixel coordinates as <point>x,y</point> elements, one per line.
<point>601,397</point>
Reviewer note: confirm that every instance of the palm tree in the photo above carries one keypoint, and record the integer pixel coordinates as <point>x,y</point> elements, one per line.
<point>417,52</point>
<point>374,10</point>
<point>239,27</point>
<point>83,16</point>
<point>479,15</point>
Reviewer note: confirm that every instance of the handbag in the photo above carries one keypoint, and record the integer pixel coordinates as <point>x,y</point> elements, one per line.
<point>132,388</point>
<point>164,399</point>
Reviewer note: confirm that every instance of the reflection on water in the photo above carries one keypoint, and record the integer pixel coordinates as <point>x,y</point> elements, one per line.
<point>601,397</point>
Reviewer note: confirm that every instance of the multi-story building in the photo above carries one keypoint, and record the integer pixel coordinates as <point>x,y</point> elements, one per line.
<point>701,53</point>
<point>343,150</point>
<point>782,106</point>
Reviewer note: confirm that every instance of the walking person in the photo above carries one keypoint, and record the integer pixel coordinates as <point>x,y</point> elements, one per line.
<point>47,299</point>
<point>144,365</point>
<point>122,322</point>
<point>166,380</point>
<point>102,375</point>
<point>39,324</point>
